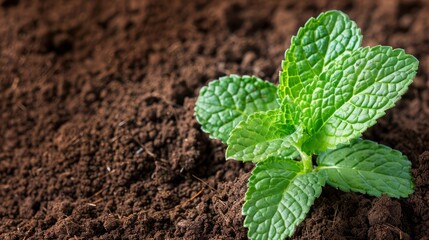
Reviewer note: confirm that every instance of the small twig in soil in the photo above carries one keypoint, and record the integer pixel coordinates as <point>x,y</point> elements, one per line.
<point>73,141</point>
<point>99,191</point>
<point>402,235</point>
<point>97,201</point>
<point>205,183</point>
<point>335,215</point>
<point>192,198</point>
<point>107,174</point>
<point>122,123</point>
<point>62,221</point>
<point>147,151</point>
<point>15,84</point>
<point>22,107</point>
<point>212,188</point>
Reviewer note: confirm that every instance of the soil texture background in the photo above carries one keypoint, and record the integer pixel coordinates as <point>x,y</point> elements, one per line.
<point>98,138</point>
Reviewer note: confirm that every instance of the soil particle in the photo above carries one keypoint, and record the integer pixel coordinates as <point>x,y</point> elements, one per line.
<point>385,210</point>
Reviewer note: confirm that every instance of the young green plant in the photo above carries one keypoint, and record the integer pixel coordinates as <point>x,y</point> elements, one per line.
<point>331,90</point>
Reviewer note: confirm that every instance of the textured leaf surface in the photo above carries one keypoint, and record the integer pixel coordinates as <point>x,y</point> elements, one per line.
<point>367,167</point>
<point>291,113</point>
<point>262,135</point>
<point>317,44</point>
<point>357,90</point>
<point>225,102</point>
<point>278,198</point>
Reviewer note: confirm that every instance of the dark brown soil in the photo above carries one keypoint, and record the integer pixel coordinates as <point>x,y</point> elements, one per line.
<point>98,138</point>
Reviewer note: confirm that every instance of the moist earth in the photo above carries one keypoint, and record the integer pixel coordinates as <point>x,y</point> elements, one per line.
<point>98,138</point>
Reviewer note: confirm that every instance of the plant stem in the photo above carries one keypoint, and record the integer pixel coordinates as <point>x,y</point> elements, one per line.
<point>306,160</point>
<point>308,164</point>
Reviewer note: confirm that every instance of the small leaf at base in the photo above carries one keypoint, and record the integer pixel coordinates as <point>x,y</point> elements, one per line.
<point>280,195</point>
<point>367,167</point>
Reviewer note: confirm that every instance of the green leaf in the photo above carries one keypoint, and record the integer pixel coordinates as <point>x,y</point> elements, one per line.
<point>262,135</point>
<point>227,101</point>
<point>317,44</point>
<point>280,194</point>
<point>291,113</point>
<point>367,167</point>
<point>351,95</point>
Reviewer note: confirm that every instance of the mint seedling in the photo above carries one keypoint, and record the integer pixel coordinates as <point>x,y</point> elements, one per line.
<point>331,90</point>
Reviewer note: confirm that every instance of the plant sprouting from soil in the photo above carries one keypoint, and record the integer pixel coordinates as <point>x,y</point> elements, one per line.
<point>331,90</point>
